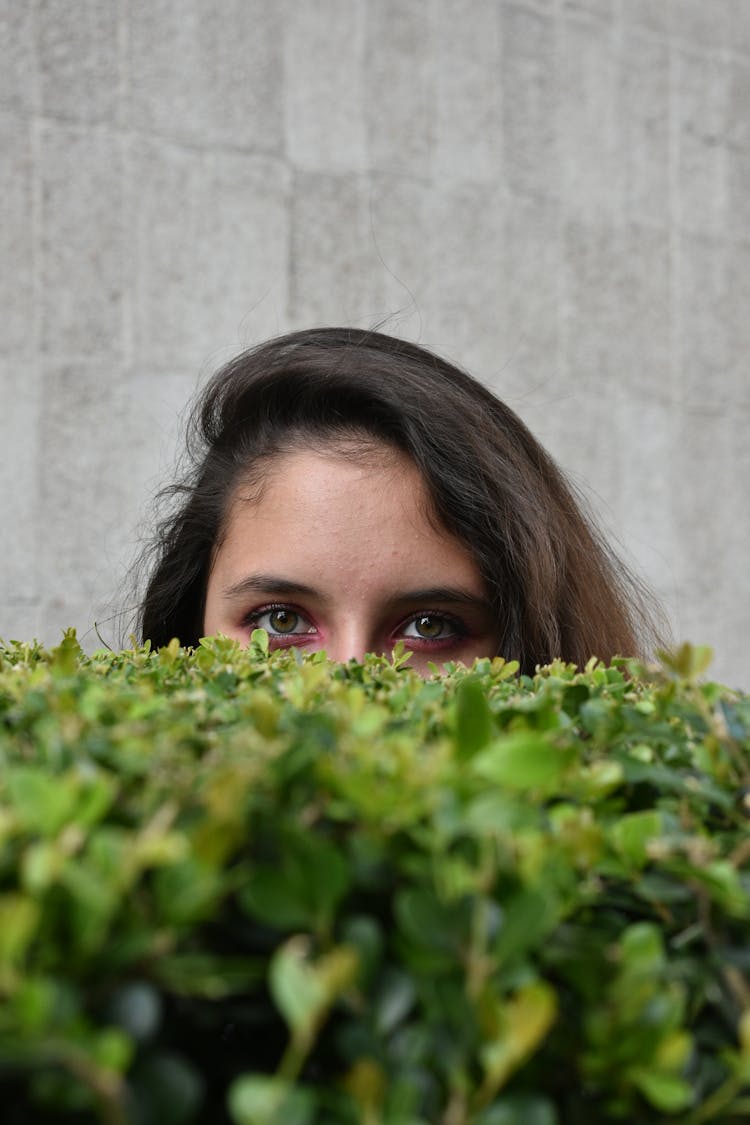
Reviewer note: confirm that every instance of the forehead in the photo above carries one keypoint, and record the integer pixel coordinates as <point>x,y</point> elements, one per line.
<point>365,472</point>
<point>352,516</point>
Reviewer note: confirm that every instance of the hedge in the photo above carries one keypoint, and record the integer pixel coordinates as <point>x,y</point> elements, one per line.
<point>270,890</point>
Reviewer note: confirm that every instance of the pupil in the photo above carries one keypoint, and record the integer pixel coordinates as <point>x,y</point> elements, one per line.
<point>429,627</point>
<point>284,620</point>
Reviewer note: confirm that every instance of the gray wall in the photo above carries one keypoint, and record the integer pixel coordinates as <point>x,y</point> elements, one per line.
<point>556,193</point>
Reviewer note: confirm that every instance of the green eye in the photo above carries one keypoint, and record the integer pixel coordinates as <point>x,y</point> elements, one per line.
<point>429,626</point>
<point>283,620</point>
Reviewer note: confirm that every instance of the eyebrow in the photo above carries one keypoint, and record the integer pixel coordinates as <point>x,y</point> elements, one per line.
<point>453,595</point>
<point>285,587</point>
<point>268,584</point>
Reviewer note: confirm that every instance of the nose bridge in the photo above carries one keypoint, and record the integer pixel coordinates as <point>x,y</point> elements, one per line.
<point>351,638</point>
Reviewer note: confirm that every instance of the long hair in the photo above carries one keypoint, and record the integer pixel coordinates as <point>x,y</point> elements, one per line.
<point>555,587</point>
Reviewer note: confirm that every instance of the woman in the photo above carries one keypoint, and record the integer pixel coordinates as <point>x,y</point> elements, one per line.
<point>350,489</point>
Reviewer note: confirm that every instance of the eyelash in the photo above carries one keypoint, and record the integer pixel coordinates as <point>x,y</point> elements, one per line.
<point>458,628</point>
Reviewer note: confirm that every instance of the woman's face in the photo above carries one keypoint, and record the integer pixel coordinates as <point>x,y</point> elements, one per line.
<point>339,554</point>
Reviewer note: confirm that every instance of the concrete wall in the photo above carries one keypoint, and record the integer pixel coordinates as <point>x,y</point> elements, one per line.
<point>556,193</point>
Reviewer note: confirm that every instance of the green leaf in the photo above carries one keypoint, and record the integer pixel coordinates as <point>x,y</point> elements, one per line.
<point>304,989</point>
<point>187,891</point>
<point>366,1082</point>
<point>168,654</point>
<point>524,760</point>
<point>304,890</point>
<point>666,1092</point>
<point>524,1021</point>
<point>431,923</point>
<point>18,920</point>
<point>297,989</point>
<point>112,1049</point>
<point>43,801</point>
<point>473,718</point>
<point>276,899</point>
<point>526,919</point>
<point>633,833</point>
<point>400,654</point>
<point>259,1100</point>
<point>34,1003</point>
<point>259,642</point>
<point>641,949</point>
<point>689,662</point>
<point>723,881</point>
<point>65,658</point>
<point>324,872</point>
<point>93,800</point>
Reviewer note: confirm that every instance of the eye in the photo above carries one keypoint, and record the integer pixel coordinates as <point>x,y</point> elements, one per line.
<point>283,620</point>
<point>431,627</point>
<point>280,621</point>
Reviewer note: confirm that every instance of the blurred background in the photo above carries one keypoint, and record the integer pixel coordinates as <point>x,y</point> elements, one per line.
<point>553,193</point>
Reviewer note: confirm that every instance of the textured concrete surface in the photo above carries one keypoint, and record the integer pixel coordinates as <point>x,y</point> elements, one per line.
<point>555,193</point>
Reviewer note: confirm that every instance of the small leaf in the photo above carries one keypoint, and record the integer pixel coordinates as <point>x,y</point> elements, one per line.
<point>113,1049</point>
<point>689,662</point>
<point>473,718</point>
<point>18,920</point>
<point>633,833</point>
<point>65,658</point>
<point>40,865</point>
<point>34,1003</point>
<point>430,923</point>
<point>367,1083</point>
<point>44,802</point>
<point>259,642</point>
<point>400,655</point>
<point>525,1019</point>
<point>187,890</point>
<point>600,778</point>
<point>258,1100</point>
<point>298,991</point>
<point>667,1092</point>
<point>272,898</point>
<point>524,760</point>
<point>642,949</point>
<point>526,918</point>
<point>304,892</point>
<point>674,1051</point>
<point>168,654</point>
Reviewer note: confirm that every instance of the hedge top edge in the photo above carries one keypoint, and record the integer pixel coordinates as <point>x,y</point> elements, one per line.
<point>259,888</point>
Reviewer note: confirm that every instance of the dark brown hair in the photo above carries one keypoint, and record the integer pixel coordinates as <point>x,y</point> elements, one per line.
<point>556,589</point>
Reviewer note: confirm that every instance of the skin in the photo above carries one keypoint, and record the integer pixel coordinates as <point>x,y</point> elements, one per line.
<point>338,553</point>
